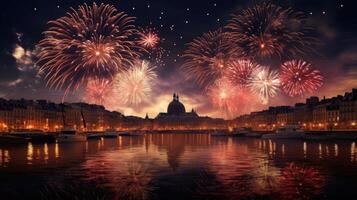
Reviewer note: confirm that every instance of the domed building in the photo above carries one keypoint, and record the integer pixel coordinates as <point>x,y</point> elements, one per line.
<point>177,118</point>
<point>176,107</point>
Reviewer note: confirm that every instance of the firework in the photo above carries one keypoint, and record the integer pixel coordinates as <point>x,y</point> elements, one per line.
<point>239,72</point>
<point>300,182</point>
<point>268,30</point>
<point>90,42</point>
<point>135,85</point>
<point>207,57</point>
<point>298,77</point>
<point>230,99</point>
<point>97,91</point>
<point>265,83</point>
<point>148,38</point>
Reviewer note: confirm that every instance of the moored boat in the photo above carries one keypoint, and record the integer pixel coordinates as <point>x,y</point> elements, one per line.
<point>70,135</point>
<point>11,139</point>
<point>34,135</point>
<point>287,132</point>
<point>218,134</point>
<point>130,134</point>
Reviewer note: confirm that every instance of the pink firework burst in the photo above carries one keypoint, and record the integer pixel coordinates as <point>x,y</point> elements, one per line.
<point>298,77</point>
<point>230,99</point>
<point>149,39</point>
<point>239,72</point>
<point>97,91</point>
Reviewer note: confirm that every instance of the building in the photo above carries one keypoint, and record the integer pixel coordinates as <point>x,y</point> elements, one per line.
<point>176,118</point>
<point>336,113</point>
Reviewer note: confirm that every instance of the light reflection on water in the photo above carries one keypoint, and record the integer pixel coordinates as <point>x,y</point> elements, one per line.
<point>180,166</point>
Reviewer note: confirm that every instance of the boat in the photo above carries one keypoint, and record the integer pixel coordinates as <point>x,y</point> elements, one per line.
<point>37,136</point>
<point>130,134</point>
<point>110,134</point>
<point>94,135</point>
<point>13,139</point>
<point>247,132</point>
<point>70,135</point>
<point>219,134</point>
<point>287,132</point>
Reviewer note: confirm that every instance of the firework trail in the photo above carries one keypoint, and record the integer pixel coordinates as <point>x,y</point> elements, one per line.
<point>207,57</point>
<point>135,85</point>
<point>239,72</point>
<point>265,83</point>
<point>267,30</point>
<point>90,42</point>
<point>298,77</point>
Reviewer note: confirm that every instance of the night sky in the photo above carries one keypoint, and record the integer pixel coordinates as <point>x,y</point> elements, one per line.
<point>177,22</point>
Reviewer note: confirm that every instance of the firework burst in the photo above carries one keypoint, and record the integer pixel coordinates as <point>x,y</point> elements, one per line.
<point>149,38</point>
<point>222,94</point>
<point>150,41</point>
<point>231,99</point>
<point>90,42</point>
<point>135,85</point>
<point>265,83</point>
<point>298,77</point>
<point>207,57</point>
<point>267,30</point>
<point>298,182</point>
<point>240,72</point>
<point>97,91</point>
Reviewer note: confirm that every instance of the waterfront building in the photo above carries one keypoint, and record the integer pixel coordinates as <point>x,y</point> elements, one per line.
<point>336,113</point>
<point>176,118</point>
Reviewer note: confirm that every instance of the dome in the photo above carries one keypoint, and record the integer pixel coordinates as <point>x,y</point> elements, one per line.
<point>176,107</point>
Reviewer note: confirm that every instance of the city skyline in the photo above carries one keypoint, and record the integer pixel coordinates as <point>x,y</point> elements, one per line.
<point>332,23</point>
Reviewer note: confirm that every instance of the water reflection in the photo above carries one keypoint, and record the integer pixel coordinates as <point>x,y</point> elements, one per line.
<point>181,166</point>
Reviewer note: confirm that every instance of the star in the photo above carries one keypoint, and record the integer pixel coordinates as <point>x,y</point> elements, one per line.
<point>188,9</point>
<point>207,14</point>
<point>186,21</point>
<point>35,9</point>
<point>133,8</point>
<point>323,12</point>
